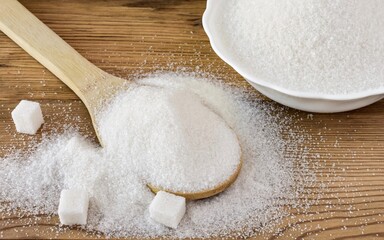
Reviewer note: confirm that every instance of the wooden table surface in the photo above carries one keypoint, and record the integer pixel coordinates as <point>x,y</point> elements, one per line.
<point>124,37</point>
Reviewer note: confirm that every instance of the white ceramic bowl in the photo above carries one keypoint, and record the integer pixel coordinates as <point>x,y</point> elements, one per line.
<point>310,102</point>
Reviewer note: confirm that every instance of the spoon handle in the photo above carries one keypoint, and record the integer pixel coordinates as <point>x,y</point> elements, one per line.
<point>49,49</point>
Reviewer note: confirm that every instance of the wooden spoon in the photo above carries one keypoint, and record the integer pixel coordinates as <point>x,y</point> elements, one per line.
<point>91,84</point>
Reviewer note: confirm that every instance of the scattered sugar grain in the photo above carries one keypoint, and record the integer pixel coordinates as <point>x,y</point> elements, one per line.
<point>120,199</point>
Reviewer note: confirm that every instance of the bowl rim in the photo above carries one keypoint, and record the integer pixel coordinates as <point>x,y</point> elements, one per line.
<point>206,21</point>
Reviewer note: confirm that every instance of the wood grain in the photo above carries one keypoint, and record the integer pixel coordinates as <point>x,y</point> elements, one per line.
<point>91,84</point>
<point>125,37</point>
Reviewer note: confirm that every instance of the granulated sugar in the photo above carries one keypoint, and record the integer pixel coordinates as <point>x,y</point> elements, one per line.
<point>181,144</point>
<point>115,176</point>
<point>327,47</point>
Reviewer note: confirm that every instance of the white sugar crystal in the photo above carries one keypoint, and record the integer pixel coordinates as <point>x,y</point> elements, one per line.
<point>116,179</point>
<point>167,209</point>
<point>27,117</point>
<point>73,207</point>
<point>326,47</point>
<point>180,139</point>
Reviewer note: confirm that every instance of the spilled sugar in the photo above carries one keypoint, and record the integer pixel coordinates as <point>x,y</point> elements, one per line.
<point>272,176</point>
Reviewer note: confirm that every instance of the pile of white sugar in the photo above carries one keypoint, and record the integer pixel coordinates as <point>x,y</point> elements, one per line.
<point>174,140</point>
<point>314,46</point>
<point>155,118</point>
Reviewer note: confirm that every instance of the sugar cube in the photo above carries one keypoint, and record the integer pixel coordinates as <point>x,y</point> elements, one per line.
<point>167,209</point>
<point>27,117</point>
<point>73,206</point>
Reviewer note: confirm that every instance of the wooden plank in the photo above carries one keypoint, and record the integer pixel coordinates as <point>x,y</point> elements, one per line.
<point>125,37</point>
